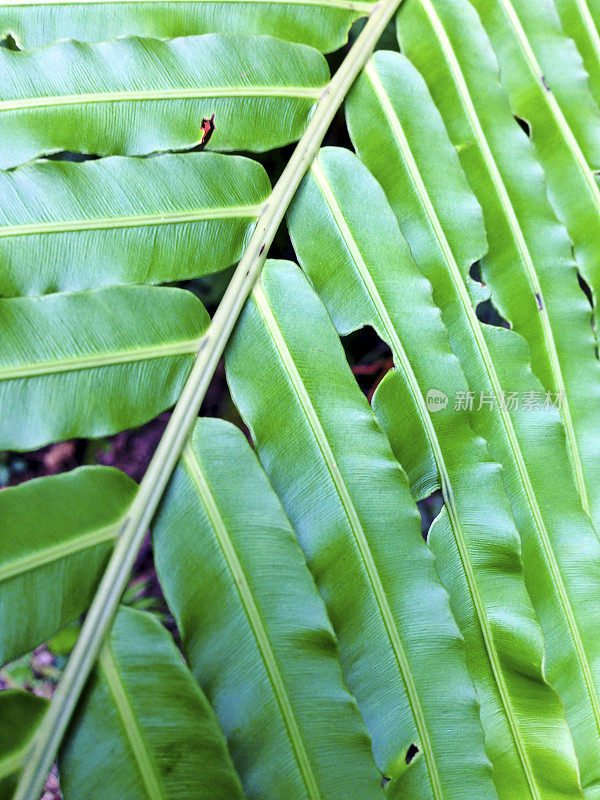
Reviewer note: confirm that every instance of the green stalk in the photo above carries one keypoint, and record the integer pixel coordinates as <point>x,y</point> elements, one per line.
<point>99,618</point>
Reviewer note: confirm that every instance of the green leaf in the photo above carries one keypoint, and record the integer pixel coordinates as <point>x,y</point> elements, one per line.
<point>254,628</point>
<point>144,730</point>
<point>322,24</point>
<point>529,266</point>
<point>93,363</point>
<point>372,280</point>
<point>20,713</point>
<point>578,19</point>
<point>419,171</point>
<point>57,533</point>
<point>350,505</point>
<point>134,96</point>
<point>549,88</point>
<point>125,220</point>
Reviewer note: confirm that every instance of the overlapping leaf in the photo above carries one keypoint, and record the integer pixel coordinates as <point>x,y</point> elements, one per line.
<point>57,533</point>
<point>579,19</point>
<point>549,88</point>
<point>372,280</point>
<point>529,265</point>
<point>254,628</point>
<point>322,24</point>
<point>66,226</point>
<point>418,168</point>
<point>133,96</point>
<point>350,506</point>
<point>93,363</point>
<point>144,730</point>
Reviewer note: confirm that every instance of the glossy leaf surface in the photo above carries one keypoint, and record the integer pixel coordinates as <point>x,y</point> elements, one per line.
<point>125,220</point>
<point>254,628</point>
<point>133,96</point>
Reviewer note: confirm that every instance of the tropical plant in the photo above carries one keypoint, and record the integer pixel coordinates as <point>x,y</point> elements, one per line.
<point>330,652</point>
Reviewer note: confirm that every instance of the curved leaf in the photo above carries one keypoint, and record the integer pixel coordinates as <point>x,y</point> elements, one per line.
<point>369,279</point>
<point>528,441</point>
<point>254,628</point>
<point>322,24</point>
<point>529,265</point>
<point>113,358</point>
<point>134,96</point>
<point>125,220</point>
<point>20,713</point>
<point>350,505</point>
<point>57,533</point>
<point>549,88</point>
<point>144,730</point>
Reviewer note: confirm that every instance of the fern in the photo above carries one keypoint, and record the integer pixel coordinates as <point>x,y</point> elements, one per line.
<point>330,652</point>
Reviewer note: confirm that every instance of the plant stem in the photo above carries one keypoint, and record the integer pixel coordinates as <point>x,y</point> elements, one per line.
<point>99,618</point>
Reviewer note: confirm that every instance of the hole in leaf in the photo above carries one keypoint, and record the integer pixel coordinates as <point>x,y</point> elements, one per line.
<point>429,508</point>
<point>9,42</point>
<point>488,313</point>
<point>411,753</point>
<point>369,358</point>
<point>524,126</point>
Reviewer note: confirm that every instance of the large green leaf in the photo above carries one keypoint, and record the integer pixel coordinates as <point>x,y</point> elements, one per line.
<point>254,628</point>
<point>144,730</point>
<point>322,24</point>
<point>350,505</point>
<point>57,533</point>
<point>134,96</point>
<point>93,363</point>
<point>20,713</point>
<point>549,88</point>
<point>368,279</point>
<point>125,220</point>
<point>529,266</point>
<point>419,170</point>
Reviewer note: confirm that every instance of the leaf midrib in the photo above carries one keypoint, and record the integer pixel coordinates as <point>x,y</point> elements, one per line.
<point>356,528</point>
<point>144,762</point>
<point>151,95</point>
<point>130,221</point>
<point>255,621</point>
<point>506,420</point>
<point>57,552</point>
<point>400,354</point>
<point>350,5</point>
<point>550,99</point>
<point>520,244</point>
<point>590,26</point>
<point>96,361</point>
<point>448,498</point>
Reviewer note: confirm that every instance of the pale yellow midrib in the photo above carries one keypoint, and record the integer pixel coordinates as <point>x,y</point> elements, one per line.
<point>96,361</point>
<point>57,552</point>
<point>151,95</point>
<point>590,26</point>
<point>349,5</point>
<point>130,221</point>
<point>146,769</point>
<point>254,618</point>
<point>521,245</point>
<point>446,485</point>
<point>396,345</point>
<point>555,109</point>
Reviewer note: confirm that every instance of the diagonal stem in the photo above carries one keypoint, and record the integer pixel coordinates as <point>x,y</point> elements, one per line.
<point>99,618</point>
